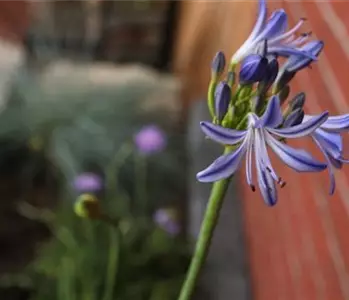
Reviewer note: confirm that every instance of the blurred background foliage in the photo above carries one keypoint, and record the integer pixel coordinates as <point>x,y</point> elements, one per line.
<point>67,114</point>
<point>72,131</point>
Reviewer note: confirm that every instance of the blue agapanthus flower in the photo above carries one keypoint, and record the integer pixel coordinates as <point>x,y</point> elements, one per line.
<point>260,132</point>
<point>274,31</point>
<point>255,113</point>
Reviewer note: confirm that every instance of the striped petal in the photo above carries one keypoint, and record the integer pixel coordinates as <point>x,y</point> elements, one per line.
<point>303,129</point>
<point>276,25</point>
<point>299,160</point>
<point>265,181</point>
<point>330,141</point>
<point>249,159</point>
<point>251,41</point>
<point>272,116</point>
<point>222,135</point>
<point>262,15</point>
<point>334,123</point>
<point>223,167</point>
<point>296,63</point>
<point>329,167</point>
<point>287,51</point>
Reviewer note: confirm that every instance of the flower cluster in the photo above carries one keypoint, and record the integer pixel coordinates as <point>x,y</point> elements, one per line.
<point>252,112</point>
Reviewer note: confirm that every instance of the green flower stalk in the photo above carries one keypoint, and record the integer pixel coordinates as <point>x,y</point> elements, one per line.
<point>206,233</point>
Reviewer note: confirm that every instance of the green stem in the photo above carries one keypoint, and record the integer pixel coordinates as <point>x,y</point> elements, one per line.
<point>112,266</point>
<point>210,96</point>
<point>204,241</point>
<point>141,185</point>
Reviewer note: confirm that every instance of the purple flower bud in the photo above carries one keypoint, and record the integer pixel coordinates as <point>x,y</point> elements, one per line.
<point>272,71</point>
<point>218,63</point>
<point>253,69</point>
<point>88,183</point>
<point>283,94</point>
<point>297,101</point>
<point>270,76</point>
<point>150,139</point>
<point>294,118</point>
<point>285,78</point>
<point>222,98</point>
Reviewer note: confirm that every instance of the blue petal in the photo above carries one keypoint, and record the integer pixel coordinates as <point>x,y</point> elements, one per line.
<point>261,148</point>
<point>301,130</point>
<point>272,116</point>
<point>249,148</point>
<point>286,51</point>
<point>223,167</point>
<point>330,141</point>
<point>222,135</point>
<point>265,182</point>
<point>329,167</point>
<point>315,47</point>
<point>276,25</point>
<point>296,159</point>
<point>262,14</point>
<point>336,123</point>
<point>296,63</point>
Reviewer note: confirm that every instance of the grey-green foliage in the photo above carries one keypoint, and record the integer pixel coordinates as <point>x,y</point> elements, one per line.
<point>84,123</point>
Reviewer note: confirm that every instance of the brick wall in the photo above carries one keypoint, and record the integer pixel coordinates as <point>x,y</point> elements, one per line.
<point>299,249</point>
<point>13,19</point>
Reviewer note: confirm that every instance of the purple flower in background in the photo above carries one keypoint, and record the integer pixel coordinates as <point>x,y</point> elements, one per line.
<point>88,183</point>
<point>166,220</point>
<point>150,139</point>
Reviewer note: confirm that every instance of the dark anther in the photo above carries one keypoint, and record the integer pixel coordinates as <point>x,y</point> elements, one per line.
<point>282,184</point>
<point>306,33</point>
<point>253,188</point>
<point>303,19</point>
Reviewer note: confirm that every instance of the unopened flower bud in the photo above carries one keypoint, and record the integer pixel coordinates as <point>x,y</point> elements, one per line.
<point>253,69</point>
<point>258,103</point>
<point>87,206</point>
<point>272,71</point>
<point>222,98</point>
<point>297,101</point>
<point>294,118</point>
<point>283,94</point>
<point>270,76</point>
<point>218,63</point>
<point>284,79</point>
